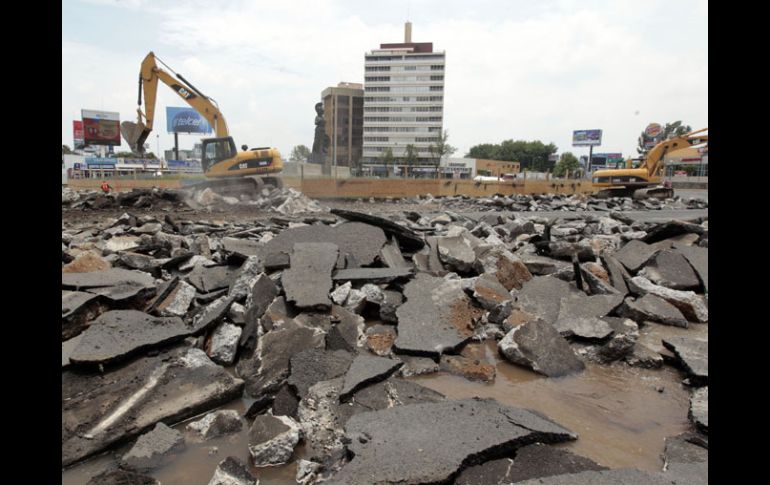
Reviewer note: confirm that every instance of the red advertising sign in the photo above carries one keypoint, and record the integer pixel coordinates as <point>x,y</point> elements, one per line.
<point>101,127</point>
<point>77,134</point>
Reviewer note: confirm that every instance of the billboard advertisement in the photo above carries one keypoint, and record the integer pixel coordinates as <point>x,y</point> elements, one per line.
<point>185,120</point>
<point>606,159</point>
<point>77,134</point>
<point>101,127</point>
<point>586,138</point>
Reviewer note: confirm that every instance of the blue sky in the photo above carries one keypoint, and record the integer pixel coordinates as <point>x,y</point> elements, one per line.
<point>515,69</point>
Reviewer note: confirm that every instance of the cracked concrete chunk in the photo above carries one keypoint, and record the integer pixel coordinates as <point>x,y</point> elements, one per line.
<point>429,442</point>
<point>473,369</point>
<point>308,282</point>
<point>232,471</point>
<point>693,354</point>
<point>532,461</point>
<point>692,306</point>
<point>152,448</point>
<point>341,293</point>
<point>314,365</point>
<point>537,345</point>
<point>107,278</point>
<point>120,333</point>
<point>245,278</point>
<point>121,243</point>
<point>415,366</point>
<point>101,409</point>
<point>268,368</point>
<point>698,258</point>
<point>457,252</point>
<point>365,370</point>
<point>241,248</point>
<point>654,309</point>
<point>488,291</point>
<point>272,440</point>
<point>699,409</point>
<point>208,279</point>
<point>616,272</point>
<point>217,423</point>
<point>391,301</point>
<point>380,338</point>
<point>670,269</point>
<point>541,296</point>
<point>622,342</point>
<point>635,253</point>
<point>436,317</point>
<point>178,301</point>
<point>223,344</point>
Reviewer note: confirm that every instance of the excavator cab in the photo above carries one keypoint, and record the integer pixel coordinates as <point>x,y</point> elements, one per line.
<point>216,150</point>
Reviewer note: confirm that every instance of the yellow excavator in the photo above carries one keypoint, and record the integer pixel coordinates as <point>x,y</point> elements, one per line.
<point>232,172</point>
<point>644,181</point>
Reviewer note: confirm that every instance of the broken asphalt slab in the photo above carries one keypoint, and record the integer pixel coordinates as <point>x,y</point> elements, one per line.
<point>365,370</point>
<point>653,309</point>
<point>694,355</point>
<point>435,318</point>
<point>268,368</point>
<point>152,448</point>
<point>671,269</point>
<point>106,278</point>
<point>314,365</point>
<point>541,296</point>
<point>357,241</point>
<point>625,476</point>
<point>538,345</point>
<point>120,333</point>
<point>104,409</point>
<point>532,461</point>
<point>308,282</point>
<point>408,238</point>
<point>431,442</point>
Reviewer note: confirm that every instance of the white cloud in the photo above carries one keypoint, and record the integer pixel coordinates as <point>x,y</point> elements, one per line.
<point>514,70</point>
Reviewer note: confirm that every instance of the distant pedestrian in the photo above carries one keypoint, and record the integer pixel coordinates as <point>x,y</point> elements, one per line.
<point>106,187</point>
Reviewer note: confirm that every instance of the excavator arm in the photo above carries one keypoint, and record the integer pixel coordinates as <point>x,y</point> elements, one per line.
<point>654,160</point>
<point>136,133</point>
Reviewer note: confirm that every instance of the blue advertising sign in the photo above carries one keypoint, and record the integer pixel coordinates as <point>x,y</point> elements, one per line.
<point>586,138</point>
<point>185,120</point>
<point>97,162</point>
<point>184,164</point>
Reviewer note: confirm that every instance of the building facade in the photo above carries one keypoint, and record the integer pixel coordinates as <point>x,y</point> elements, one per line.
<point>344,118</point>
<point>403,99</point>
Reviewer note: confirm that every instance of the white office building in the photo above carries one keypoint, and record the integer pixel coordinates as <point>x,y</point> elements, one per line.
<point>403,98</point>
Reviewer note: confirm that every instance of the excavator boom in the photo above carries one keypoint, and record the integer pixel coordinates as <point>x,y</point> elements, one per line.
<point>238,172</point>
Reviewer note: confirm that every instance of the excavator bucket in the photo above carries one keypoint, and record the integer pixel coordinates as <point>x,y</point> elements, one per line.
<point>134,134</point>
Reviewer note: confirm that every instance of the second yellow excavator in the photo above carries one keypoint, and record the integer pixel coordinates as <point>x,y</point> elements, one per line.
<point>233,172</point>
<point>645,180</point>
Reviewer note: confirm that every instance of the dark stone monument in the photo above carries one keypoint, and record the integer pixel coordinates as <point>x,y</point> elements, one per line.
<point>321,139</point>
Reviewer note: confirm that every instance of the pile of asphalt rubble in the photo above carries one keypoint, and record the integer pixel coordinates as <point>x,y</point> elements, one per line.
<point>286,200</point>
<point>556,202</point>
<point>164,321</point>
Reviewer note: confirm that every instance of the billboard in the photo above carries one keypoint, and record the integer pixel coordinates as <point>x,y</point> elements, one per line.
<point>101,127</point>
<point>586,138</point>
<point>606,159</point>
<point>185,120</point>
<point>77,134</point>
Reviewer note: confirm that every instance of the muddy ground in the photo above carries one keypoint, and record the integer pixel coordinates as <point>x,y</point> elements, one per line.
<point>622,414</point>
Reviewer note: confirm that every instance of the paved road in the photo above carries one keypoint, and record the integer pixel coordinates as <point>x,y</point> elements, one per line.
<point>692,193</point>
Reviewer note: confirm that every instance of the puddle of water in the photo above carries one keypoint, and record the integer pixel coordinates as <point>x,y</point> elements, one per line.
<point>620,417</point>
<point>195,465</point>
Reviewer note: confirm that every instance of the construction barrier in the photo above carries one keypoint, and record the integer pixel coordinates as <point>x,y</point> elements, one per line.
<point>364,188</point>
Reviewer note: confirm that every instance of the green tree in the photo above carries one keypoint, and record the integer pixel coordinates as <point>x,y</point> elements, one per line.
<point>532,155</point>
<point>410,156</point>
<point>441,148</point>
<point>299,153</point>
<point>567,161</point>
<point>671,130</point>
<point>486,151</point>
<point>387,160</point>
